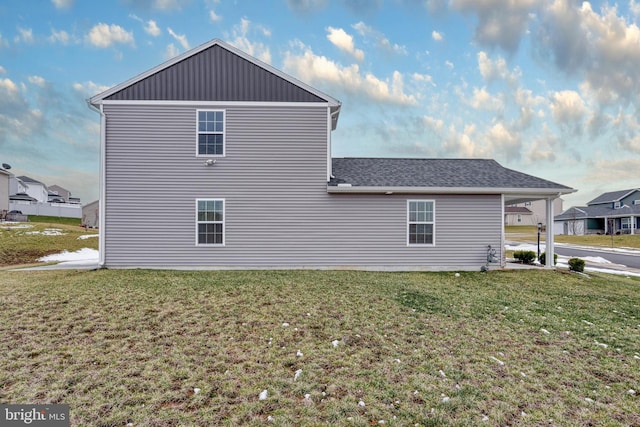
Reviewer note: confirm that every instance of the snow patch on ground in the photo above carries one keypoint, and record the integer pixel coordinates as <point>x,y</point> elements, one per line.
<point>87,236</point>
<point>47,232</point>
<point>79,255</point>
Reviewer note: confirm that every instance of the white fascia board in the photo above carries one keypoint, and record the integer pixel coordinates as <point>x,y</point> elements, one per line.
<point>217,103</point>
<point>528,192</point>
<point>98,99</point>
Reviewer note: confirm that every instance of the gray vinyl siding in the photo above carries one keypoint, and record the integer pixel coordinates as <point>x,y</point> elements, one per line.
<point>215,74</point>
<point>278,212</point>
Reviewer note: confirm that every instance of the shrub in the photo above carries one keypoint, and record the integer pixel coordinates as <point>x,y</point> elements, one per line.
<point>576,264</point>
<point>543,258</point>
<point>525,257</point>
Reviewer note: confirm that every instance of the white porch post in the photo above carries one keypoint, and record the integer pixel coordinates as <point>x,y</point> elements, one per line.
<point>549,243</point>
<point>633,224</point>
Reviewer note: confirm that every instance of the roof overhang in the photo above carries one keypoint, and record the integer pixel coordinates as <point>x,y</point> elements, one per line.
<point>511,195</point>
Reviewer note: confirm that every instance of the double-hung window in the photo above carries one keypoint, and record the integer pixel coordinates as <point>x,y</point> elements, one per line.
<point>421,222</point>
<point>210,221</point>
<point>210,132</point>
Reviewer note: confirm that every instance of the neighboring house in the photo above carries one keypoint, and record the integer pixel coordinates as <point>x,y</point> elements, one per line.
<point>34,188</point>
<point>518,215</point>
<point>216,160</point>
<point>4,190</point>
<point>58,193</point>
<point>616,212</point>
<point>91,214</point>
<point>530,213</point>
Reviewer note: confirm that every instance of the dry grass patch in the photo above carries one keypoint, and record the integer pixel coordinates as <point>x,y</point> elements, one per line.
<point>165,348</point>
<point>25,242</point>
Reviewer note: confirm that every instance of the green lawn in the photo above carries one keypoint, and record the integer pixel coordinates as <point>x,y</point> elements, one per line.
<point>498,348</point>
<point>530,234</point>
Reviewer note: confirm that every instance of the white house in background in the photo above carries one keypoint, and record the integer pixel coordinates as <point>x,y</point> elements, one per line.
<point>57,193</point>
<point>33,188</point>
<point>530,213</point>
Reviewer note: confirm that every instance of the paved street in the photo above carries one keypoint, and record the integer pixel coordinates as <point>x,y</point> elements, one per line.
<point>629,259</point>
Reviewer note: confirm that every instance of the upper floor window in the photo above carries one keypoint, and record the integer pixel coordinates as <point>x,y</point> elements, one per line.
<point>617,205</point>
<point>210,221</point>
<point>211,127</point>
<point>420,222</point>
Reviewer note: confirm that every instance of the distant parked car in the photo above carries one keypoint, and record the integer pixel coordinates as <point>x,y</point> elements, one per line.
<point>16,212</point>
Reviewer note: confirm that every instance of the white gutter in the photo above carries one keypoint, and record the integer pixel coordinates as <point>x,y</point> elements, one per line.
<point>348,188</point>
<point>101,198</point>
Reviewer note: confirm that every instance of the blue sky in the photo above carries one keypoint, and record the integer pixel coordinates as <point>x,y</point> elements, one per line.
<point>547,87</point>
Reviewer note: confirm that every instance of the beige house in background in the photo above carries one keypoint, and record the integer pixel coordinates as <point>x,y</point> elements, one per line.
<point>530,213</point>
<point>4,190</point>
<point>91,214</point>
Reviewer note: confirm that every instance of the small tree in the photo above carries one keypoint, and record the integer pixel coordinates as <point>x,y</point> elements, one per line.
<point>525,257</point>
<point>543,258</point>
<point>576,264</point>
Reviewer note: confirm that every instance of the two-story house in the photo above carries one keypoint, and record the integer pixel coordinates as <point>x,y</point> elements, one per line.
<point>216,160</point>
<point>615,212</point>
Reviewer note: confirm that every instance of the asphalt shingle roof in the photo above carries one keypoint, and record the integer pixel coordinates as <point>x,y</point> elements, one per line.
<point>598,211</point>
<point>442,173</point>
<point>610,197</point>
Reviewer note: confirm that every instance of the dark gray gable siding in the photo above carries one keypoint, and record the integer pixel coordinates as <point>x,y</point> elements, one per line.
<point>215,74</point>
<point>443,173</point>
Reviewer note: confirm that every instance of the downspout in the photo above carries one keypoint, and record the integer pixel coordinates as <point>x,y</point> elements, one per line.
<point>102,181</point>
<point>503,258</point>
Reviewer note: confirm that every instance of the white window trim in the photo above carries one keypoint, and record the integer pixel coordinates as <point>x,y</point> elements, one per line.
<point>625,221</point>
<point>224,131</point>
<point>617,205</point>
<point>224,221</point>
<point>421,245</point>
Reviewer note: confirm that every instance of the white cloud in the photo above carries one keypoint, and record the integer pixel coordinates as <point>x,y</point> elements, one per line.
<point>2,70</point>
<point>89,88</point>
<point>449,64</point>
<point>634,7</point>
<point>344,42</point>
<point>567,107</point>
<point>501,23</point>
<point>62,4</point>
<point>214,17</point>
<point>380,40</point>
<point>309,67</point>
<point>239,38</point>
<point>103,35</point>
<point>600,47</point>
<point>504,142</point>
<point>37,80</point>
<point>497,70</point>
<point>423,78</point>
<point>171,51</point>
<point>152,28</point>
<point>483,100</point>
<point>59,37</point>
<point>180,38</point>
<point>8,86</point>
<point>307,6</point>
<point>437,36</point>
<point>25,35</point>
<point>436,125</point>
